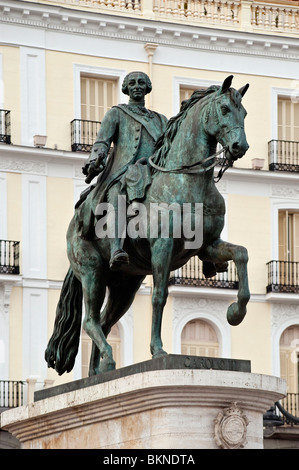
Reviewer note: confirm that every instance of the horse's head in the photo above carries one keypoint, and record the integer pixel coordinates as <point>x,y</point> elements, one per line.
<point>226,120</point>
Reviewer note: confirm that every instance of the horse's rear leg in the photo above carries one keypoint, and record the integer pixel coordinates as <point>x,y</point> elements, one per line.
<point>122,292</point>
<point>221,251</point>
<point>94,289</point>
<point>161,259</point>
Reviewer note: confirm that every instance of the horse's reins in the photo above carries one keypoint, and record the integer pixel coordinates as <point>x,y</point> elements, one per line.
<point>196,167</point>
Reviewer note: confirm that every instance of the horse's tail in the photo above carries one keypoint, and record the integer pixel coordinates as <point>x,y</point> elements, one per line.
<point>64,342</point>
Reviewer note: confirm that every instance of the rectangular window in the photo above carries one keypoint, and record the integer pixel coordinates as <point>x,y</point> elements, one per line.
<point>288,235</point>
<point>186,92</point>
<point>98,95</point>
<point>288,119</point>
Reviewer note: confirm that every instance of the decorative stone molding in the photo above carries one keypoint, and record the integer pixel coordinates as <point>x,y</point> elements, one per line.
<point>5,292</point>
<point>99,24</point>
<point>23,166</point>
<point>284,313</point>
<point>285,191</point>
<point>188,305</point>
<point>231,428</point>
<point>188,308</point>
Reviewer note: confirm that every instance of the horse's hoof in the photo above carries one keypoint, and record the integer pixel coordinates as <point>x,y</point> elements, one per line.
<point>234,317</point>
<point>106,364</point>
<point>159,353</point>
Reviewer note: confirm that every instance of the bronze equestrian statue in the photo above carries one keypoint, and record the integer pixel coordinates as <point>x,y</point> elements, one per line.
<point>176,171</point>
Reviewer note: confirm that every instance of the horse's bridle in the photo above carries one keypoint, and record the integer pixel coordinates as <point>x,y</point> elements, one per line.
<point>197,167</point>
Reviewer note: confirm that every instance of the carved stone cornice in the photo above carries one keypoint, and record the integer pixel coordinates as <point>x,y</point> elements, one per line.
<point>133,27</point>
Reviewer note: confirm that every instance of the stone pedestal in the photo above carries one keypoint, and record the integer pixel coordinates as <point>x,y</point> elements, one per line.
<point>171,408</point>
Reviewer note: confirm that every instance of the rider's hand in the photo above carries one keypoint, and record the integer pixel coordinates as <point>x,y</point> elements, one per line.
<point>88,166</point>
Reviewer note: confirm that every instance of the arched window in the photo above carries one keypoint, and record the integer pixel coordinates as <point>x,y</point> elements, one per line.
<point>199,339</point>
<point>289,351</point>
<point>114,341</point>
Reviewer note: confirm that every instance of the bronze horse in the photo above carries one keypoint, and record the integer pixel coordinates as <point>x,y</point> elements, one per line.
<point>182,173</point>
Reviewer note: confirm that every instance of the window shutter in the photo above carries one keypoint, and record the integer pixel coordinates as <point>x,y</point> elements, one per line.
<point>98,95</point>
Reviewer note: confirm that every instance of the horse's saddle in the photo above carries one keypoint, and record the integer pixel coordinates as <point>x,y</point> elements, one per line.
<point>134,183</point>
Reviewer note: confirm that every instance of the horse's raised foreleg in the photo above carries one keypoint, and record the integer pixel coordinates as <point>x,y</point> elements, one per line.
<point>220,252</point>
<point>161,259</point>
<point>122,290</point>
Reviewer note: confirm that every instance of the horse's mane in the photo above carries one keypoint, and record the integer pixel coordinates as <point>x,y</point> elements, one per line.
<point>164,142</point>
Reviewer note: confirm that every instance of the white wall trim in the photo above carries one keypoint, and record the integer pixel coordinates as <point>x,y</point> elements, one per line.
<point>187,82</point>
<point>3,206</point>
<point>35,332</point>
<point>33,93</point>
<point>34,226</point>
<point>1,84</point>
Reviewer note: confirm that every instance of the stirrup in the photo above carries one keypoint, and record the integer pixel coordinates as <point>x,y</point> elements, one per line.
<point>118,258</point>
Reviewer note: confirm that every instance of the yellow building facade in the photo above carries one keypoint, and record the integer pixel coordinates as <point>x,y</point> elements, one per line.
<point>62,64</point>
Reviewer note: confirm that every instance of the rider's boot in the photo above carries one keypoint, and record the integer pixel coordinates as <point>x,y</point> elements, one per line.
<point>118,256</point>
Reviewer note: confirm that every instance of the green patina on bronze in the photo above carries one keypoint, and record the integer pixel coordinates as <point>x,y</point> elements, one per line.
<point>164,163</point>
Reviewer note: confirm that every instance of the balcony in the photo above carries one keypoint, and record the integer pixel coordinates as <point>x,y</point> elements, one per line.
<point>11,394</point>
<point>83,134</point>
<point>5,134</point>
<point>283,155</point>
<point>245,15</point>
<point>191,274</point>
<point>9,257</point>
<point>286,412</point>
<point>283,276</point>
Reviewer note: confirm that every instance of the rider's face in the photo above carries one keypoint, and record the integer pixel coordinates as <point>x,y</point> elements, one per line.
<point>137,86</point>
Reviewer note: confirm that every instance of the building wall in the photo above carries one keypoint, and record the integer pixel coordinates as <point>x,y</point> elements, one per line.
<point>40,74</point>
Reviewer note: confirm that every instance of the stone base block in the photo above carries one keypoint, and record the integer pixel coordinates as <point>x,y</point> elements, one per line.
<point>156,409</point>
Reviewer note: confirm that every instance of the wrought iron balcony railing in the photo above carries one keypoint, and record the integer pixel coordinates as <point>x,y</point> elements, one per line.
<point>191,274</point>
<point>11,393</point>
<point>283,276</point>
<point>83,134</point>
<point>9,257</point>
<point>283,155</point>
<point>5,133</point>
<point>284,412</point>
<point>291,404</point>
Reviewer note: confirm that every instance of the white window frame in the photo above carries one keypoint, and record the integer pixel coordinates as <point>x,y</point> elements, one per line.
<point>276,93</point>
<point>188,83</point>
<point>1,84</point>
<point>220,326</point>
<point>100,72</point>
<point>277,330</point>
<point>287,204</point>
